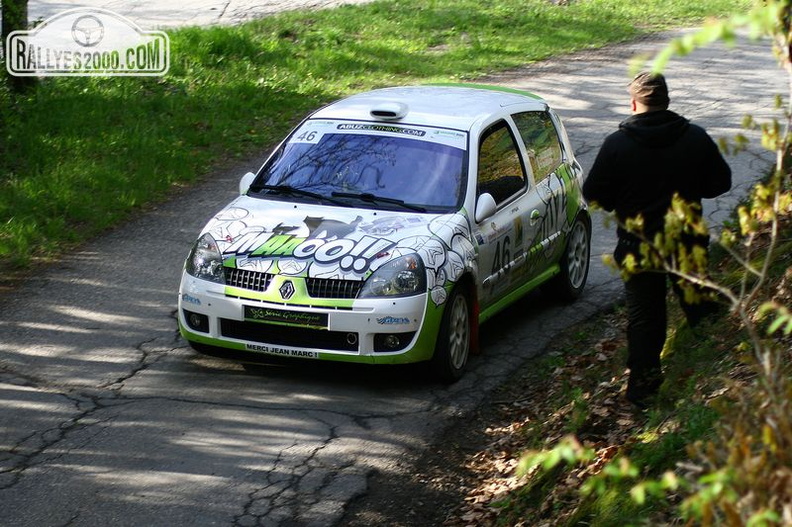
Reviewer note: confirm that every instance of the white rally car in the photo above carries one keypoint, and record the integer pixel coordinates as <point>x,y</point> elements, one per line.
<point>387,226</point>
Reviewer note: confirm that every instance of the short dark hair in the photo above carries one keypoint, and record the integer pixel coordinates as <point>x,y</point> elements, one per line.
<point>650,89</point>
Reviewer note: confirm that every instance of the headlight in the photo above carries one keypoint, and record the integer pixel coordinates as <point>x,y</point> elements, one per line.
<point>403,276</point>
<point>205,260</point>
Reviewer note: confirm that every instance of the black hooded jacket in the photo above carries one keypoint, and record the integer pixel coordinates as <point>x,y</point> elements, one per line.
<point>651,157</point>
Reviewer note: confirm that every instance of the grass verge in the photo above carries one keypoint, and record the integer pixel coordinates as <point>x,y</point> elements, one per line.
<point>79,155</point>
<point>708,410</point>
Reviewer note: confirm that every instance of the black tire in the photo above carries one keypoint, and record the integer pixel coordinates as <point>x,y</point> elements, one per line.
<point>575,262</point>
<point>453,340</point>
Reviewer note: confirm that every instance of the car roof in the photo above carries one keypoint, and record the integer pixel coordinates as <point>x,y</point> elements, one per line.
<point>456,106</point>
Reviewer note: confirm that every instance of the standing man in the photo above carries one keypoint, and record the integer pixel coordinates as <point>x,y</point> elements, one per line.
<point>653,156</point>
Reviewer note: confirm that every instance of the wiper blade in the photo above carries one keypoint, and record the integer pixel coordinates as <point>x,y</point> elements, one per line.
<point>371,198</point>
<point>292,191</point>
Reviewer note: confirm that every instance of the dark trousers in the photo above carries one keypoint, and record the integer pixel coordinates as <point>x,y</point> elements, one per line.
<point>647,316</point>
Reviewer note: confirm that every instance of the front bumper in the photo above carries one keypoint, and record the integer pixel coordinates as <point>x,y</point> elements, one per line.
<point>373,331</point>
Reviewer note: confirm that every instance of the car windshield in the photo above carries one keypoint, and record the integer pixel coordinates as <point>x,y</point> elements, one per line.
<point>369,165</point>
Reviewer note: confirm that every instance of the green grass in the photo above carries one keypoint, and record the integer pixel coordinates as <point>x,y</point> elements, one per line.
<point>80,155</point>
<point>682,417</point>
<point>700,411</point>
<point>655,442</point>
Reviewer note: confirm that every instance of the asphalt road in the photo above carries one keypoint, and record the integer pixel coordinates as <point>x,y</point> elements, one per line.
<point>107,417</point>
<point>177,13</point>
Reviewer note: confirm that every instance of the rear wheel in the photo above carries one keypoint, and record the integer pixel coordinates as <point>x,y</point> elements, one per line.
<point>569,283</point>
<point>453,341</point>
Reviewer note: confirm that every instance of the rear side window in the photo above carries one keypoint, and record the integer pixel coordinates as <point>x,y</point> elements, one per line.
<point>500,170</point>
<point>541,141</point>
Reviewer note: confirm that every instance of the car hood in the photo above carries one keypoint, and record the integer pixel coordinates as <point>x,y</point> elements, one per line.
<point>316,241</point>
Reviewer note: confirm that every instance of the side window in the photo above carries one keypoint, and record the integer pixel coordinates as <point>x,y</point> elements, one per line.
<point>541,141</point>
<point>500,170</point>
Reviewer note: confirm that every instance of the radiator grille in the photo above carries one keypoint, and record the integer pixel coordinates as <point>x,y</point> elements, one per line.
<point>332,288</point>
<point>317,287</point>
<point>252,280</point>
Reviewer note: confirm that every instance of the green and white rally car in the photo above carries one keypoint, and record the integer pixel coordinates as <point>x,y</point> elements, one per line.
<point>387,226</point>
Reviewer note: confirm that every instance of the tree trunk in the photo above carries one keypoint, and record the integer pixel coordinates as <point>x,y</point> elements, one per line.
<point>15,17</point>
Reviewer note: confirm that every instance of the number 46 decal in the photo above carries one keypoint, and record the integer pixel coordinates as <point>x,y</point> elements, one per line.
<point>502,260</point>
<point>311,136</point>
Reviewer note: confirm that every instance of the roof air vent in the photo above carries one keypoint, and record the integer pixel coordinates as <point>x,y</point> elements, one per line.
<point>389,111</point>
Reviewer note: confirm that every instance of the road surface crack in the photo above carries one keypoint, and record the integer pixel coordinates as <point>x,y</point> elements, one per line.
<point>31,449</point>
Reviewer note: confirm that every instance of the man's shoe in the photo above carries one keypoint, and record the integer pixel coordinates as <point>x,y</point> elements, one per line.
<point>640,402</point>
<point>642,387</point>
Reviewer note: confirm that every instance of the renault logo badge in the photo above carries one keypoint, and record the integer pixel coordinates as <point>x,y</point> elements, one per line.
<point>286,290</point>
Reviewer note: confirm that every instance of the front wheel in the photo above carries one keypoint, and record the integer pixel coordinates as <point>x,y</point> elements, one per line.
<point>569,283</point>
<point>453,341</point>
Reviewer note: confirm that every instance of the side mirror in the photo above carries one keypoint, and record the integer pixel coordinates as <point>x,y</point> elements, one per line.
<point>485,207</point>
<point>245,182</point>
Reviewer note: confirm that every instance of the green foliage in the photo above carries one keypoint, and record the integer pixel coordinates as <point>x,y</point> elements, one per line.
<point>746,467</point>
<point>579,410</point>
<point>568,450</point>
<point>78,155</point>
<point>783,317</point>
<point>742,474</point>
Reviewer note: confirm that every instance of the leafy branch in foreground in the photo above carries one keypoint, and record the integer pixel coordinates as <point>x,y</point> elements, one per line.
<point>743,474</point>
